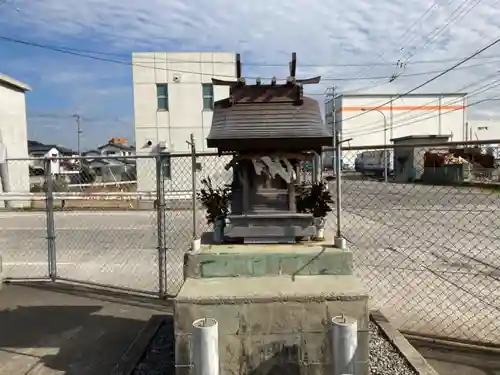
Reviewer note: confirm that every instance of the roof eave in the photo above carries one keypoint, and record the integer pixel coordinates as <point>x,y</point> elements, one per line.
<point>14,83</point>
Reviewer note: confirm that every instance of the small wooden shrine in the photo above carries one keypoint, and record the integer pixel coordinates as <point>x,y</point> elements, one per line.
<point>271,128</point>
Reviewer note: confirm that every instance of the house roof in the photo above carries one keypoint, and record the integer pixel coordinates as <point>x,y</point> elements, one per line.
<point>117,145</point>
<point>267,114</point>
<point>9,81</point>
<point>35,146</point>
<point>89,152</point>
<point>422,137</point>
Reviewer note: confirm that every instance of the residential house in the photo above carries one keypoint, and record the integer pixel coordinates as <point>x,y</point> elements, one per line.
<point>117,147</point>
<point>63,163</point>
<point>39,151</point>
<point>113,161</point>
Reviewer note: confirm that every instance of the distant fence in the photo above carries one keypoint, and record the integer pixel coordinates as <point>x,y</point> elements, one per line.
<point>427,250</point>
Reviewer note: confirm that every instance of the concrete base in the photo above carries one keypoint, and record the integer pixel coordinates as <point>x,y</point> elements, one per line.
<point>272,324</point>
<point>276,227</point>
<point>267,260</point>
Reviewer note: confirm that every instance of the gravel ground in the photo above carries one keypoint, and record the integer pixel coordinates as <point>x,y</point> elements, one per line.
<point>384,358</point>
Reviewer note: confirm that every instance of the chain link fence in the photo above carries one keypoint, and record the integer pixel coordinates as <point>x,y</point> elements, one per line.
<point>64,223</point>
<point>23,235</point>
<point>425,238</point>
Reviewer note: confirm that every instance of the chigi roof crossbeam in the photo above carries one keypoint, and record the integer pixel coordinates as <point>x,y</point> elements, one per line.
<point>290,80</point>
<point>274,115</point>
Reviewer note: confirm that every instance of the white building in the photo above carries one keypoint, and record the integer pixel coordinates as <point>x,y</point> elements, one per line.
<point>392,116</point>
<point>483,130</point>
<point>173,98</point>
<point>14,135</point>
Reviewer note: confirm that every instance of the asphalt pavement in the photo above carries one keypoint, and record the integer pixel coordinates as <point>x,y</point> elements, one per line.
<point>428,254</point>
<point>115,248</point>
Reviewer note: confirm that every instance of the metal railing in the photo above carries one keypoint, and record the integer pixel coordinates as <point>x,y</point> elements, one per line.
<point>425,242</point>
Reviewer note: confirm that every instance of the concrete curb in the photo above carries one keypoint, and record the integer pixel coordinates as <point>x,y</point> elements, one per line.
<point>412,356</point>
<point>1,273</point>
<point>183,206</point>
<point>452,344</point>
<point>137,349</point>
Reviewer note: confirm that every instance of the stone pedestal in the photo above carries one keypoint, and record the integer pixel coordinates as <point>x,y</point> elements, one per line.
<point>1,273</point>
<point>274,304</point>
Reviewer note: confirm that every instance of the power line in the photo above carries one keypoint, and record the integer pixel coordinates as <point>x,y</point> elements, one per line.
<point>411,41</point>
<point>255,63</point>
<point>404,122</point>
<point>380,56</point>
<point>443,113</point>
<point>375,125</point>
<point>496,41</point>
<point>126,63</point>
<point>368,130</point>
<point>439,8</point>
<point>463,9</point>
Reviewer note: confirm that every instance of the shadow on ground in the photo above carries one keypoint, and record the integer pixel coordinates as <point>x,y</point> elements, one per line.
<point>459,361</point>
<point>60,329</point>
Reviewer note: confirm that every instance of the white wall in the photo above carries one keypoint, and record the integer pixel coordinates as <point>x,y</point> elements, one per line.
<point>111,150</point>
<point>484,129</point>
<point>408,115</point>
<point>185,114</point>
<point>13,125</point>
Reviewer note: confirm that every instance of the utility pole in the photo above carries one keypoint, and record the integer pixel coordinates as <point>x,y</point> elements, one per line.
<point>334,131</point>
<point>78,133</point>
<point>339,241</point>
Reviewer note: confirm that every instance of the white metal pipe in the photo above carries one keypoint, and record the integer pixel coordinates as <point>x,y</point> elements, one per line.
<point>344,344</point>
<point>4,170</point>
<point>206,346</point>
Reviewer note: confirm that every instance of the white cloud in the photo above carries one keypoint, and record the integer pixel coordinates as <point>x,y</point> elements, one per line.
<point>321,32</point>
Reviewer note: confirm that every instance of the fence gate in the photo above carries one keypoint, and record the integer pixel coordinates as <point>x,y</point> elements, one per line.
<point>108,236</point>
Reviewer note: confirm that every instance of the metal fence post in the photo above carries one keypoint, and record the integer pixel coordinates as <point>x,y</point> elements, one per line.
<point>160,224</point>
<point>50,222</point>
<point>314,170</point>
<point>317,170</point>
<point>193,186</point>
<point>339,240</point>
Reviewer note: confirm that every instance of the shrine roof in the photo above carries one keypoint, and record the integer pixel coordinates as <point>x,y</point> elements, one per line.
<point>269,113</point>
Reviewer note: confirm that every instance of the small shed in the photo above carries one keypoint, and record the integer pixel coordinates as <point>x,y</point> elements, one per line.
<point>409,155</point>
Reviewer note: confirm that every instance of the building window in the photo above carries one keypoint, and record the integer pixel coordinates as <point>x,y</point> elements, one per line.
<point>162,95</point>
<point>208,97</point>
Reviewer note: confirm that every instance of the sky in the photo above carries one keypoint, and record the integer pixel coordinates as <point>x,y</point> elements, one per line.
<point>76,55</point>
